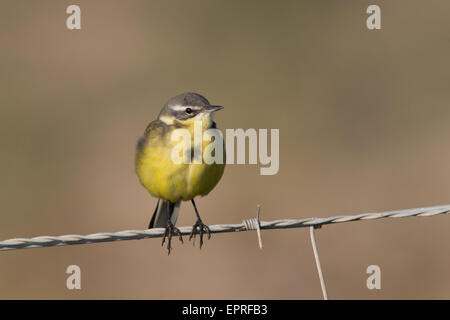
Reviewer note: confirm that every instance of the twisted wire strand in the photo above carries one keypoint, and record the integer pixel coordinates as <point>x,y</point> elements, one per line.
<point>248,224</point>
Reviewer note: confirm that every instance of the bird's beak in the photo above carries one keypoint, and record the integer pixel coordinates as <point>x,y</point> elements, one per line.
<point>213,108</point>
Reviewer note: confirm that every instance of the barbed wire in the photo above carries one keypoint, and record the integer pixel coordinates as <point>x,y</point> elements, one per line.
<point>247,224</point>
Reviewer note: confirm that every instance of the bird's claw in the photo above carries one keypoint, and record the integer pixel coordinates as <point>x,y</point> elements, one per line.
<point>200,228</point>
<point>170,231</point>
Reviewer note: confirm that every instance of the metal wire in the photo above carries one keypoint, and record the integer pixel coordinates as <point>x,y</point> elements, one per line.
<point>319,267</point>
<point>50,241</point>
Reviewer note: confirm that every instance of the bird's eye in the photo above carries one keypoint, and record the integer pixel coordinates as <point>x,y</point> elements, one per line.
<point>188,110</point>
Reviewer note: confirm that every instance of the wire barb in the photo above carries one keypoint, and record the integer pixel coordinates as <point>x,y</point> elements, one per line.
<point>50,241</point>
<point>255,224</point>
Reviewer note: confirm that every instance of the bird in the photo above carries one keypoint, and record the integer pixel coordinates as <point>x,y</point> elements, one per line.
<point>173,182</point>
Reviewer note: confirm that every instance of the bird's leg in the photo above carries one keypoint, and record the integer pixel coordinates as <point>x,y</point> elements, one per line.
<point>170,231</point>
<point>199,227</point>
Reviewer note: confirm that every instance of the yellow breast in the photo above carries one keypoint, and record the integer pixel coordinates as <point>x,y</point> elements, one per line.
<point>170,181</point>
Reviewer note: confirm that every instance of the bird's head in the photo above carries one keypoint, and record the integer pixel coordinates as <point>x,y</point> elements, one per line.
<point>184,109</point>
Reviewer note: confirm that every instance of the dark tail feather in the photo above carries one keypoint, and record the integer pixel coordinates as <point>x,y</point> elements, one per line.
<point>152,221</point>
<point>164,211</point>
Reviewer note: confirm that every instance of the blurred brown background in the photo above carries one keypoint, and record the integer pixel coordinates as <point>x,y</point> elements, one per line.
<point>364,126</point>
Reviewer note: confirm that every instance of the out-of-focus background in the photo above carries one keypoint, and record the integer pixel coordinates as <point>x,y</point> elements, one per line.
<point>364,126</point>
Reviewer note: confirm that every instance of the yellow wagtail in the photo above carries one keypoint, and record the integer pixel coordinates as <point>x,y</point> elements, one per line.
<point>173,182</point>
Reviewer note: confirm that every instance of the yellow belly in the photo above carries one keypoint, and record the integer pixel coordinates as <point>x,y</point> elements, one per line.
<point>174,182</point>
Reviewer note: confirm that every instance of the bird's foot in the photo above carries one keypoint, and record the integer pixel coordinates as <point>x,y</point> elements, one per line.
<point>200,228</point>
<point>171,230</point>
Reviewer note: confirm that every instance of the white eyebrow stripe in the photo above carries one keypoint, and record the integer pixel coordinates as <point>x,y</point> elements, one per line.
<point>182,108</point>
